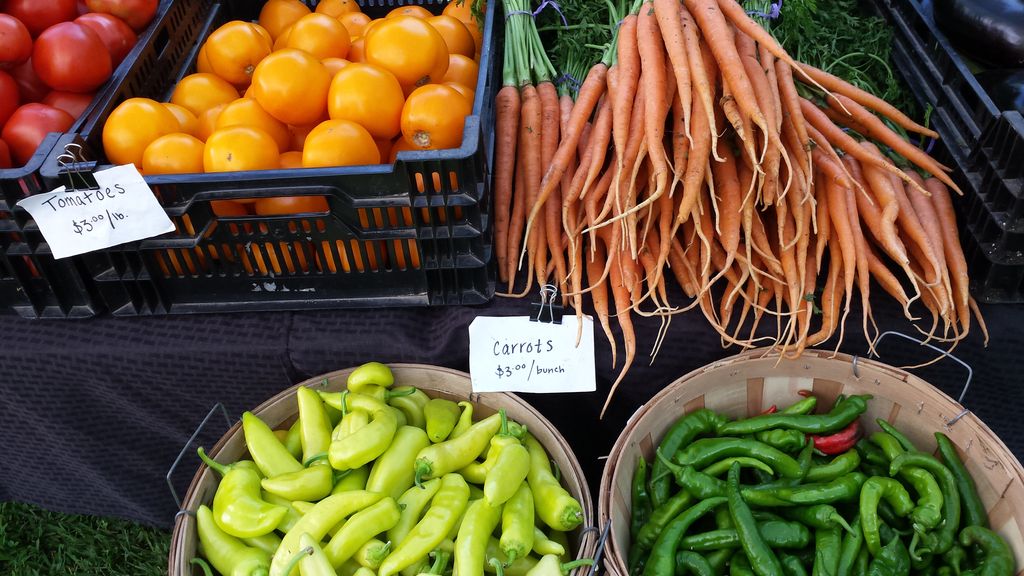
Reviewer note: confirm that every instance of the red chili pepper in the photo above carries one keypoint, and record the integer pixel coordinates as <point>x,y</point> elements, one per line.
<point>840,441</point>
<point>771,410</point>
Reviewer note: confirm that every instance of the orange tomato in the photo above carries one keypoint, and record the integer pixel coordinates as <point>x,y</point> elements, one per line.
<point>399,145</point>
<point>388,46</point>
<point>186,119</point>
<point>464,13</point>
<point>208,121</point>
<point>338,8</point>
<point>291,159</point>
<point>201,91</point>
<point>466,91</point>
<point>354,22</point>
<point>357,52</point>
<point>334,64</point>
<point>292,86</point>
<point>283,205</point>
<point>175,153</point>
<point>320,35</point>
<point>240,148</point>
<point>235,49</point>
<point>455,33</point>
<point>277,15</point>
<point>371,24</point>
<point>433,117</point>
<point>203,61</point>
<point>248,112</point>
<point>299,134</point>
<point>339,143</point>
<point>281,42</point>
<point>414,11</point>
<point>462,69</point>
<point>369,96</point>
<point>132,126</point>
<point>228,208</point>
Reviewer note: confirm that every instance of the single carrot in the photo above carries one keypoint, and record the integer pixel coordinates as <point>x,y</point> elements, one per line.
<point>627,82</point>
<point>531,134</point>
<point>824,224</point>
<point>729,207</point>
<point>881,187</point>
<point>671,25</point>
<point>863,267</point>
<point>831,296</point>
<point>506,128</point>
<point>703,85</point>
<point>954,254</point>
<point>929,218</point>
<point>620,294</point>
<point>682,143</point>
<point>837,210</point>
<point>518,219</point>
<point>601,134</point>
<point>652,61</point>
<point>551,118</point>
<point>839,86</point>
<point>791,107</point>
<point>599,292</point>
<point>772,154</point>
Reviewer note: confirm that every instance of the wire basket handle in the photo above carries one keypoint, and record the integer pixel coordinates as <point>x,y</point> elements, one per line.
<point>191,440</point>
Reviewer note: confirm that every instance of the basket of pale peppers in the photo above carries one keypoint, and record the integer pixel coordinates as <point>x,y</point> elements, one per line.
<point>790,493</point>
<point>378,480</point>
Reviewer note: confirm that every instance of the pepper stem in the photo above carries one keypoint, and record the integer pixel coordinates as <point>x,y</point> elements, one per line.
<point>504,423</point>
<point>307,551</point>
<point>398,394</point>
<point>344,404</point>
<point>498,568</point>
<point>314,458</point>
<point>217,466</point>
<point>422,470</point>
<point>570,566</point>
<point>441,558</point>
<point>202,565</point>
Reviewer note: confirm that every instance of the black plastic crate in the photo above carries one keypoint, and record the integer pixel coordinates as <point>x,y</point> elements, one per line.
<point>32,283</point>
<point>997,275</point>
<point>415,233</point>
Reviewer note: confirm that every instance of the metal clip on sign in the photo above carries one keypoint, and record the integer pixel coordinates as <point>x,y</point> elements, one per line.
<point>184,449</point>
<point>548,309</point>
<point>943,354</point>
<point>70,163</point>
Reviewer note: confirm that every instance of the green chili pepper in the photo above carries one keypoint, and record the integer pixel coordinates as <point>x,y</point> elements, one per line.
<point>517,524</point>
<point>227,554</point>
<point>365,444</point>
<point>362,526</point>
<point>310,559</point>
<point>640,505</point>
<point>293,439</point>
<point>412,502</point>
<point>875,489</point>
<point>698,484</point>
<point>704,452</point>
<point>291,516</point>
<point>372,553</point>
<point>843,489</point>
<point>684,431</point>
<point>945,535</point>
<point>439,459</point>
<point>764,561</point>
<point>370,373</point>
<point>828,545</point>
<point>272,458</point>
<point>819,517</point>
<point>326,514</point>
<point>776,534</point>
<point>891,430</point>
<point>352,480</point>
<point>928,512</point>
<point>555,506</point>
<point>237,506</point>
<point>837,419</point>
<point>863,559</point>
<point>974,513</point>
<point>411,401</point>
<point>392,473</point>
<point>791,565</point>
<point>550,565</point>
<point>892,560</point>
<point>663,555</point>
<point>268,542</point>
<point>315,427</point>
<point>441,415</point>
<point>445,510</point>
<point>805,405</point>
<point>722,466</point>
<point>660,518</point>
<point>510,468</point>
<point>346,401</point>
<point>853,542</point>
<point>543,545</point>
<point>740,566</point>
<point>841,465</point>
<point>471,545</point>
<point>517,568</point>
<point>693,563</point>
<point>784,440</point>
<point>869,453</point>
<point>350,422</point>
<point>465,420</point>
<point>313,483</point>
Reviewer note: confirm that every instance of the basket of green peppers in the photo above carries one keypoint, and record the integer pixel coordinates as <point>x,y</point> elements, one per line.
<point>761,466</point>
<point>386,470</point>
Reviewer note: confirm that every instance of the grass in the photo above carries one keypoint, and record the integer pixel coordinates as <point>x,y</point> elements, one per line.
<point>38,542</point>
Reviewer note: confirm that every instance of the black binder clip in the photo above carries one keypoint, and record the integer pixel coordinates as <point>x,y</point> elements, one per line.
<point>548,310</point>
<point>71,168</point>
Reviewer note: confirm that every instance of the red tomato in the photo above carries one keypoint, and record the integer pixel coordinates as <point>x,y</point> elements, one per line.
<point>70,102</point>
<point>30,87</point>
<point>15,42</point>
<point>71,57</point>
<point>29,125</point>
<point>135,13</point>
<point>38,15</point>
<point>9,98</point>
<point>117,36</point>
<point>81,7</point>
<point>5,155</point>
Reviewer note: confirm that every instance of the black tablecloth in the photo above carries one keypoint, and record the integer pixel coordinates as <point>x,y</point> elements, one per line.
<point>93,413</point>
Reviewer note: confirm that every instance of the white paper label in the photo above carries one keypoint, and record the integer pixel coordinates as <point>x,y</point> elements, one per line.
<point>122,209</point>
<point>514,354</point>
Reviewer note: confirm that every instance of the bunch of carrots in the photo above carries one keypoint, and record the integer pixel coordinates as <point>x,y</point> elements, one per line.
<point>698,151</point>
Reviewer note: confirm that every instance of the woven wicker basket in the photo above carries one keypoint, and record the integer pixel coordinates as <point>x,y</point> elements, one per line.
<point>281,410</point>
<point>748,383</point>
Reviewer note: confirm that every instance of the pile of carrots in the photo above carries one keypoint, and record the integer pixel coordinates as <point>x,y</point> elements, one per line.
<point>698,151</point>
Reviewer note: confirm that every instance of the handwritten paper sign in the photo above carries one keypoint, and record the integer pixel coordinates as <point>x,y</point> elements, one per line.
<point>121,209</point>
<point>514,354</point>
